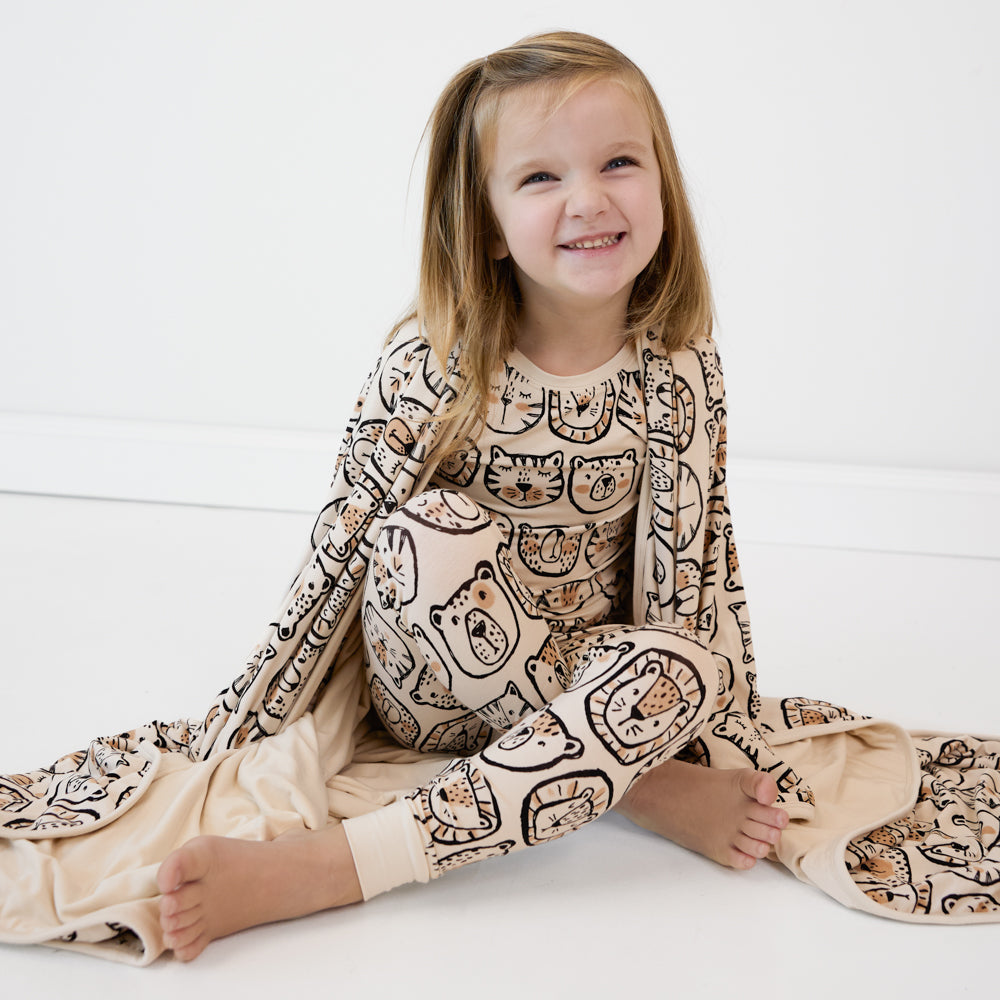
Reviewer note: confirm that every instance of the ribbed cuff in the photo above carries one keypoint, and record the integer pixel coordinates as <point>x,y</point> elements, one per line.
<point>387,848</point>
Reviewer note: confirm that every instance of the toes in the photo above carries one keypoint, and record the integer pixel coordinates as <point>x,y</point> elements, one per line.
<point>187,864</point>
<point>175,922</point>
<point>767,816</point>
<point>752,848</point>
<point>740,860</point>
<point>758,786</point>
<point>190,949</point>
<point>762,832</point>
<point>186,898</point>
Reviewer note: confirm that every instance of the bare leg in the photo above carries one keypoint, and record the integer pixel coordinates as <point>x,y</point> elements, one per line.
<point>214,886</point>
<point>728,816</point>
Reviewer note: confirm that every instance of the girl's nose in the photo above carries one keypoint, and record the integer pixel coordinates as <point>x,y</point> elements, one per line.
<point>586,199</point>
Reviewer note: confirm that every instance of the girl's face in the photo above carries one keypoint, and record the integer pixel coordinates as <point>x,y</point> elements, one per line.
<point>576,195</point>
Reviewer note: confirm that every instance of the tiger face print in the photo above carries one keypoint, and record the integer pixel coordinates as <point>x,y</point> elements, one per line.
<point>524,480</point>
<point>514,404</point>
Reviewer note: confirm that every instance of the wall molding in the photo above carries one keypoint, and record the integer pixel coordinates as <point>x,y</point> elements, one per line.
<point>929,511</point>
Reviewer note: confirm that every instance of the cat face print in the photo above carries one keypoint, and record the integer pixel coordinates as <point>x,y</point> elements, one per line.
<point>394,567</point>
<point>524,480</point>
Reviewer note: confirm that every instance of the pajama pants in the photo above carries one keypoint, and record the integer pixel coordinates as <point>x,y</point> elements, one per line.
<point>549,729</point>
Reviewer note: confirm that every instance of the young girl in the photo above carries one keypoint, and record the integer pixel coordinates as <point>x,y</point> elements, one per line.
<point>528,536</point>
<point>498,604</point>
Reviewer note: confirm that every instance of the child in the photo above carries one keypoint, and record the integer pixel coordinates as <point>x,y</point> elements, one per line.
<point>556,232</point>
<point>529,534</point>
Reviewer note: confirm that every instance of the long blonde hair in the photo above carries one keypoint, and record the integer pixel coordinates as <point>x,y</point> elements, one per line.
<point>465,295</point>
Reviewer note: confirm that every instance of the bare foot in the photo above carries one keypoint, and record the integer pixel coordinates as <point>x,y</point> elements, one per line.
<point>729,816</point>
<point>214,886</point>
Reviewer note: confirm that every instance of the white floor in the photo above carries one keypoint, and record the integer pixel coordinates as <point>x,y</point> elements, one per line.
<point>116,613</point>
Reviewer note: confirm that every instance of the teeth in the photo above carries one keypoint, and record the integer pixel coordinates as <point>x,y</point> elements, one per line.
<point>590,244</point>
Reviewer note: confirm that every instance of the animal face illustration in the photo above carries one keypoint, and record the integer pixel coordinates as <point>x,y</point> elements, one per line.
<point>447,511</point>
<point>395,716</point>
<point>506,711</point>
<point>394,567</point>
<point>557,807</point>
<point>524,480</point>
<point>583,415</point>
<point>430,691</point>
<point>597,484</point>
<point>461,805</point>
<point>643,705</point>
<point>534,745</point>
<point>460,465</point>
<point>478,624</point>
<point>640,708</point>
<point>515,404</point>
<point>386,646</point>
<point>971,903</point>
<point>548,551</point>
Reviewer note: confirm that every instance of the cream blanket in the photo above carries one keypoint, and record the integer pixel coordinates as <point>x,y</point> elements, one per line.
<point>899,825</point>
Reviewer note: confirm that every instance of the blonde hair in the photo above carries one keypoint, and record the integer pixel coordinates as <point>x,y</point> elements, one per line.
<point>465,295</point>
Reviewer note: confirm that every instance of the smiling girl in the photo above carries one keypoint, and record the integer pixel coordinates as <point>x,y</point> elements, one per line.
<point>541,600</point>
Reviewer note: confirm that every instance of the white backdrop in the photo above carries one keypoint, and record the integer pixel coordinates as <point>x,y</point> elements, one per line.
<point>207,213</point>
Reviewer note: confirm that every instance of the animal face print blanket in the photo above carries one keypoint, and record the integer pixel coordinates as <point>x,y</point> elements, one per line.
<point>916,838</point>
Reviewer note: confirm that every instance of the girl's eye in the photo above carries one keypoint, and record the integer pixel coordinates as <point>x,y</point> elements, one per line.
<point>621,161</point>
<point>538,178</point>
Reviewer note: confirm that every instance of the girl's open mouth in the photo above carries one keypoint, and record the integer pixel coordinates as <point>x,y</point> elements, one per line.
<point>594,244</point>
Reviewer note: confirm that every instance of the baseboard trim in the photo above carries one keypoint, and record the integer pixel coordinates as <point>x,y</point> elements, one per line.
<point>927,511</point>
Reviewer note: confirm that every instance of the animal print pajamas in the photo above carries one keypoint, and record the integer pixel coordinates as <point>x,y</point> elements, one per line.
<point>490,614</point>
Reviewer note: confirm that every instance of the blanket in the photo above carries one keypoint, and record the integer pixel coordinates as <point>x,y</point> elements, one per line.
<point>903,825</point>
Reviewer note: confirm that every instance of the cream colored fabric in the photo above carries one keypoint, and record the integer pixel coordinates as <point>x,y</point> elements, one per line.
<point>905,827</point>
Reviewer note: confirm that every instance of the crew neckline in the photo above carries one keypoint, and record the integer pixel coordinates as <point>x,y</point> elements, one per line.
<point>624,360</point>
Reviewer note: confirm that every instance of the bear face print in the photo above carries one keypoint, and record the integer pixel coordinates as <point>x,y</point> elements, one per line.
<point>597,484</point>
<point>478,624</point>
<point>534,745</point>
<point>971,903</point>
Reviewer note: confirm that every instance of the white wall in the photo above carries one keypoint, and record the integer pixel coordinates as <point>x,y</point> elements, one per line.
<point>204,215</point>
